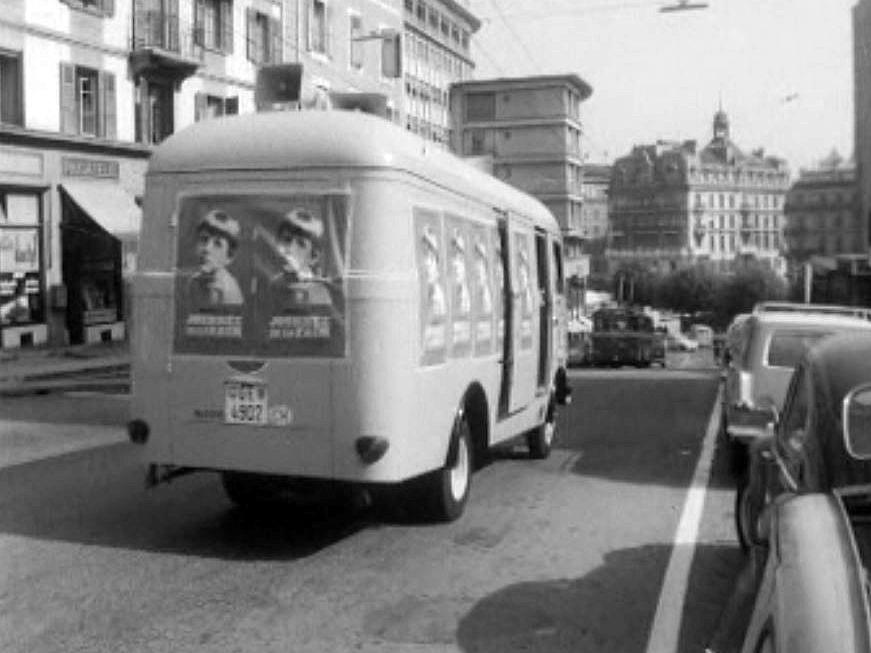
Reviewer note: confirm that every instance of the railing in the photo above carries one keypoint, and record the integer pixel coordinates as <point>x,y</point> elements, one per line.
<point>154,29</point>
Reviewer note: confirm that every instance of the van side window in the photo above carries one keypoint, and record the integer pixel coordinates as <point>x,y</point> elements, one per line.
<point>558,268</point>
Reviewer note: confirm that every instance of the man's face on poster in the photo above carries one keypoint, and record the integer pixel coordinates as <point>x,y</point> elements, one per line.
<point>214,250</point>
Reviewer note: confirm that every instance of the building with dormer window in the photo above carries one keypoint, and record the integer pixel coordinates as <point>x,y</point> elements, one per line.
<point>672,205</point>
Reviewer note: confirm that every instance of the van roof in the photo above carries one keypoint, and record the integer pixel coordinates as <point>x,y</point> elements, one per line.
<point>286,140</point>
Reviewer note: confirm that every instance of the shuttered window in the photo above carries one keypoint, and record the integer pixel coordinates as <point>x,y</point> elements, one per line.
<point>264,38</point>
<point>11,97</point>
<point>87,102</point>
<point>213,25</point>
<point>212,106</point>
<point>102,7</point>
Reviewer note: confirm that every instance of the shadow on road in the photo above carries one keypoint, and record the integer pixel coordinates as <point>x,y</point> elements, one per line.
<point>610,609</point>
<point>98,497</point>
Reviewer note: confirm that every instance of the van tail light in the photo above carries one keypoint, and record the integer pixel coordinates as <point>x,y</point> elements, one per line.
<point>371,448</point>
<point>138,430</point>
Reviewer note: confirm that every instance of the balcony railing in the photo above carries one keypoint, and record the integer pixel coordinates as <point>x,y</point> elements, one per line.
<point>160,42</point>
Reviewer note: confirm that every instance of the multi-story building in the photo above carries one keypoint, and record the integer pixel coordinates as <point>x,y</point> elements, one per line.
<point>862,109</point>
<point>822,214</point>
<point>88,86</point>
<point>436,42</point>
<point>594,224</point>
<point>529,131</point>
<point>672,205</point>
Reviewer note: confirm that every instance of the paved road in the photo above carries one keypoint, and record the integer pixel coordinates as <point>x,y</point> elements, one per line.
<point>575,553</point>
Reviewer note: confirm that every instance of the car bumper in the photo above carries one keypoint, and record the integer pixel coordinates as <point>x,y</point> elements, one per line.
<point>746,424</point>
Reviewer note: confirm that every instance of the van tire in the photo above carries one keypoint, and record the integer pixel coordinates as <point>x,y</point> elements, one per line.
<point>446,490</point>
<point>540,439</point>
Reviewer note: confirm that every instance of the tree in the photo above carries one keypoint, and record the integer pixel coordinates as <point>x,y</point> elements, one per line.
<point>690,290</point>
<point>751,283</point>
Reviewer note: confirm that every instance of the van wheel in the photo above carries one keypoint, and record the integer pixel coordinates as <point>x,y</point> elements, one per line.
<point>540,439</point>
<point>446,490</point>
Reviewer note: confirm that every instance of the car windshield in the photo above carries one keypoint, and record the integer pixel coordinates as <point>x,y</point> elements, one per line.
<point>787,348</point>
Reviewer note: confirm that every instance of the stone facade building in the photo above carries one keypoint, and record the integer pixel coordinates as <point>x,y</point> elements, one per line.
<point>673,205</point>
<point>822,213</point>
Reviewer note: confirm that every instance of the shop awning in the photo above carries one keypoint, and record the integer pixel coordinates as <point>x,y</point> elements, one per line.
<point>109,205</point>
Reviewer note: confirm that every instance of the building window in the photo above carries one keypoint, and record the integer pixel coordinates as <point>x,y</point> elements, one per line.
<point>355,28</point>
<point>87,101</point>
<point>21,300</point>
<point>480,106</point>
<point>264,37</point>
<point>213,106</point>
<point>318,31</point>
<point>213,25</point>
<point>11,96</point>
<point>421,12</point>
<point>102,7</point>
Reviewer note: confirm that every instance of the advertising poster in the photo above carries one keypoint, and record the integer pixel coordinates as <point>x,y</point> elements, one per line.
<point>460,294</point>
<point>19,250</point>
<point>482,289</point>
<point>431,277</point>
<point>262,275</point>
<point>523,275</point>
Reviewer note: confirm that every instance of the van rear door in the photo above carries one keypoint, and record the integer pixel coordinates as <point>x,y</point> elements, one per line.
<point>259,320</point>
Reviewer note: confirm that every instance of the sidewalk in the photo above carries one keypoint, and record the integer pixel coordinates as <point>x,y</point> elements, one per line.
<point>40,370</point>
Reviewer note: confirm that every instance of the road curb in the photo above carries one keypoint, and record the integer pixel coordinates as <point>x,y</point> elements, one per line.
<point>84,377</point>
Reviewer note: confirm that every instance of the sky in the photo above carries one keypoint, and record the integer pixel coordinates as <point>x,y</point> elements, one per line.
<point>783,69</point>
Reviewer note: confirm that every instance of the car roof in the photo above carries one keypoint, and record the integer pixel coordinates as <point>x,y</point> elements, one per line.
<point>798,320</point>
<point>842,362</point>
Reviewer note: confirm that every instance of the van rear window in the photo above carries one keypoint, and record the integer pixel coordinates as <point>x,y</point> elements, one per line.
<point>787,348</point>
<point>261,275</point>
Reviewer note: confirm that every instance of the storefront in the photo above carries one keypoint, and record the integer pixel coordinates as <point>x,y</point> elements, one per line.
<point>99,230</point>
<point>69,224</point>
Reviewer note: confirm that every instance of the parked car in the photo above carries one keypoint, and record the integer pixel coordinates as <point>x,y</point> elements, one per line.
<point>805,513</point>
<point>680,342</point>
<point>702,334</point>
<point>764,354</point>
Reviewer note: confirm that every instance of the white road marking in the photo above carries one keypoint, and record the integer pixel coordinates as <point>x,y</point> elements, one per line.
<point>665,631</point>
<point>22,442</point>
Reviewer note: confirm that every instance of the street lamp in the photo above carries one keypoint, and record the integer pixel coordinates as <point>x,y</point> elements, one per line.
<point>683,5</point>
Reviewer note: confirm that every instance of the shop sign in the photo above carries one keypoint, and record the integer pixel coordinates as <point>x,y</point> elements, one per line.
<point>99,168</point>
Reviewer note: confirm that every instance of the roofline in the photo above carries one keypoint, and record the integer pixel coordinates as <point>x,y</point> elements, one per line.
<point>532,81</point>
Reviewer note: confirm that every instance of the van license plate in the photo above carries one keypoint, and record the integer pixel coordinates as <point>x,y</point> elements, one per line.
<point>245,403</point>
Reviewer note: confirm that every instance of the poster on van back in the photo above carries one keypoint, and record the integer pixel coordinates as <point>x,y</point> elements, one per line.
<point>261,275</point>
<point>482,289</point>
<point>460,294</point>
<point>433,300</point>
<point>523,274</point>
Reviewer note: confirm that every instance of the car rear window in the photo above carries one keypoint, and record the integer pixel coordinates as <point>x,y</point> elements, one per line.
<point>787,347</point>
